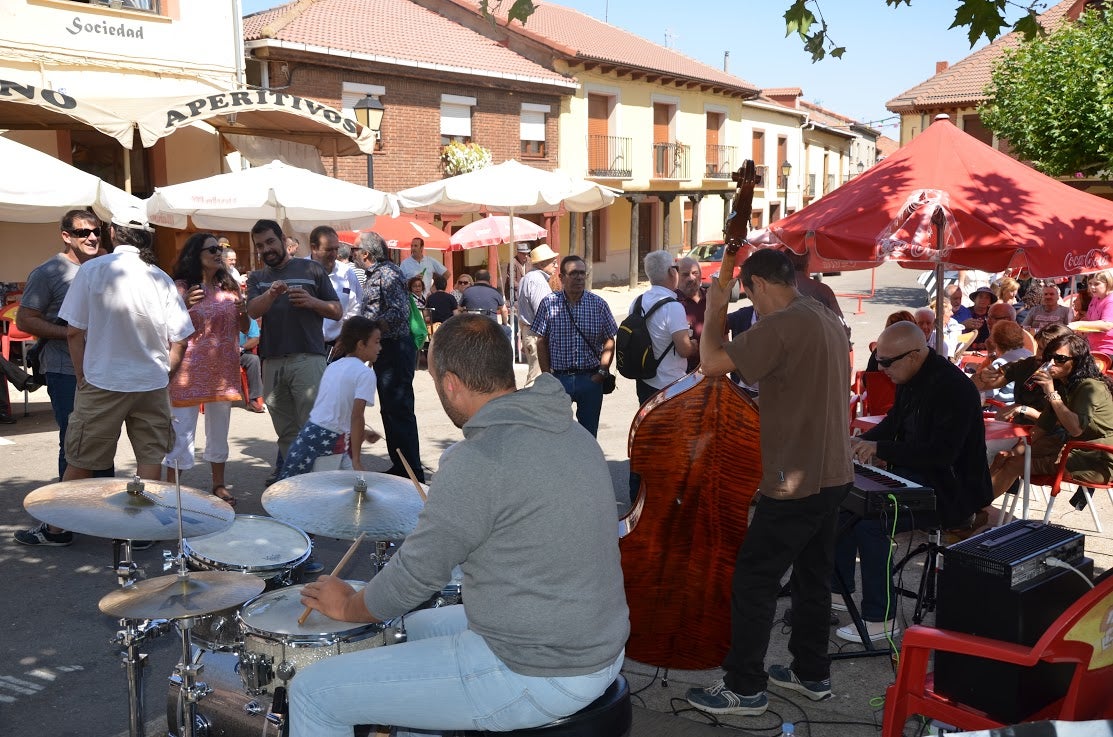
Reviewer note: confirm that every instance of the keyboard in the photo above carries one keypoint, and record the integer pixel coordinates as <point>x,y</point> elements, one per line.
<point>872,486</point>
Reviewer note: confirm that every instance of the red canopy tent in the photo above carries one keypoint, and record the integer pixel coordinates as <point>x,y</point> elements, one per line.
<point>993,213</point>
<point>399,231</point>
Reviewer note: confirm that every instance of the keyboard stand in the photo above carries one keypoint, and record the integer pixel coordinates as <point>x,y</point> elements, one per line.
<point>925,594</point>
<point>868,650</point>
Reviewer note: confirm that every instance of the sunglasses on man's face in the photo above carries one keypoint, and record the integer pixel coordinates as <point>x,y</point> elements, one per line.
<point>82,232</point>
<point>887,362</point>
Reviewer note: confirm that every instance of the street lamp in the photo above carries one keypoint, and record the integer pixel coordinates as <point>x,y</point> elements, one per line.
<point>369,114</point>
<point>861,166</point>
<point>786,169</point>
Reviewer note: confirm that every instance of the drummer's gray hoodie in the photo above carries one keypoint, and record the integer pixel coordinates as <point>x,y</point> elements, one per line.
<point>525,505</point>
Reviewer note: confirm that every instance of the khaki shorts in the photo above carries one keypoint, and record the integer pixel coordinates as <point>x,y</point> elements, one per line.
<point>94,429</point>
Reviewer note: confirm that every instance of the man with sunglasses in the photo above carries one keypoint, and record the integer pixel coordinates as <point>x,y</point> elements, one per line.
<point>576,342</point>
<point>934,435</point>
<point>47,286</point>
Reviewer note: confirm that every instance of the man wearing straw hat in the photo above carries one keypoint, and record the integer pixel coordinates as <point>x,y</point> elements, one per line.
<point>533,288</point>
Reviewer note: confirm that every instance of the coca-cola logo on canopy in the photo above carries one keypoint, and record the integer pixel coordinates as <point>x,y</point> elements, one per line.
<point>1093,260</point>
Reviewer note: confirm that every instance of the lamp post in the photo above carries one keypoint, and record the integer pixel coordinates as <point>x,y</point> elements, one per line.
<point>861,167</point>
<point>786,169</point>
<point>369,113</point>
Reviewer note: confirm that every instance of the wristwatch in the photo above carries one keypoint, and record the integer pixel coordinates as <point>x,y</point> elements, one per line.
<point>603,371</point>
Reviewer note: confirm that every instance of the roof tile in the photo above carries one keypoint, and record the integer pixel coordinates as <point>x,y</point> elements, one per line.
<point>395,29</point>
<point>964,82</point>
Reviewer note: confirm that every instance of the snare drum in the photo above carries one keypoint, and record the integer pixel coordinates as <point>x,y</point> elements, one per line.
<point>275,646</point>
<point>261,546</point>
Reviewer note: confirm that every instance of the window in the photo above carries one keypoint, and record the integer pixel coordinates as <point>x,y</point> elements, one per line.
<point>149,6</point>
<point>353,92</point>
<point>757,148</point>
<point>533,130</point>
<point>456,119</point>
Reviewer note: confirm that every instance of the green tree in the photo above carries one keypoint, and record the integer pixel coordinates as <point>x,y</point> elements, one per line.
<point>805,19</point>
<point>1052,98</point>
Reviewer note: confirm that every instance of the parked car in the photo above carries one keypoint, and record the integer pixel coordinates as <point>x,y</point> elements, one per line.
<point>709,254</point>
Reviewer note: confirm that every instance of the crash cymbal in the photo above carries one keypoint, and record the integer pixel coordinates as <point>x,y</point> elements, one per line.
<point>118,509</point>
<point>327,503</point>
<point>174,597</point>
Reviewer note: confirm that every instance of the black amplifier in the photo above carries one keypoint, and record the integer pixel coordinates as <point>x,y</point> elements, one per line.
<point>1016,553</point>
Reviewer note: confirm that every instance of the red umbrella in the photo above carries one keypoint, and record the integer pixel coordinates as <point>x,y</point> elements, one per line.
<point>399,231</point>
<point>495,229</point>
<point>995,213</point>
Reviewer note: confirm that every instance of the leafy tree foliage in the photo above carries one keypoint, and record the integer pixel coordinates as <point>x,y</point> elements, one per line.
<point>980,17</point>
<point>1052,98</point>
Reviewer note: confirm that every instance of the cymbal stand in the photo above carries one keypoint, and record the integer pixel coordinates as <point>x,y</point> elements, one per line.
<point>190,690</point>
<point>133,634</point>
<point>380,557</point>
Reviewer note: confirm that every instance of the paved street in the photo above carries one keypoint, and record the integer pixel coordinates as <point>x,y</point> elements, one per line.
<point>60,676</point>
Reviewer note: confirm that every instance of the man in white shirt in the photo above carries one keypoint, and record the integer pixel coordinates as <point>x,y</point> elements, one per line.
<point>668,326</point>
<point>533,288</point>
<point>324,246</point>
<point>123,314</point>
<point>418,263</point>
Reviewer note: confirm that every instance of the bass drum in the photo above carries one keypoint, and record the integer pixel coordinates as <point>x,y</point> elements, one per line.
<point>227,711</point>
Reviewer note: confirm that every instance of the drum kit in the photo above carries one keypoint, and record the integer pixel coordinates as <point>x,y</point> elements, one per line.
<point>235,594</point>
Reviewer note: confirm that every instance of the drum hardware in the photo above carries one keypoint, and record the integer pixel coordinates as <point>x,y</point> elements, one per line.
<point>191,690</point>
<point>381,555</point>
<point>127,572</point>
<point>132,635</point>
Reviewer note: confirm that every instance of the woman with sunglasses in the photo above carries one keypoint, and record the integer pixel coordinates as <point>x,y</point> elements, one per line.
<point>461,286</point>
<point>1080,407</point>
<point>209,372</point>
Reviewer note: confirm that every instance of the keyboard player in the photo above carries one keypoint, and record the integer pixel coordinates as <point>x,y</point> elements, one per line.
<point>933,435</point>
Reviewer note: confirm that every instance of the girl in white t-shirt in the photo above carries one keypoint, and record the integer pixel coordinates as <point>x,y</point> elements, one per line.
<point>347,388</point>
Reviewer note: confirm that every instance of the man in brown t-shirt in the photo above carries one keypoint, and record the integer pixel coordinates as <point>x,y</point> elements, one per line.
<point>798,353</point>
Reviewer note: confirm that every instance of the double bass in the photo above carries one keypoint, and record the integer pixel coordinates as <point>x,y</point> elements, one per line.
<point>695,445</point>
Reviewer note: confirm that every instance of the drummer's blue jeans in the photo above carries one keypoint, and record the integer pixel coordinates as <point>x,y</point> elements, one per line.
<point>443,678</point>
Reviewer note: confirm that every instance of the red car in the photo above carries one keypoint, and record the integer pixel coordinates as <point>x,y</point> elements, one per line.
<point>709,254</point>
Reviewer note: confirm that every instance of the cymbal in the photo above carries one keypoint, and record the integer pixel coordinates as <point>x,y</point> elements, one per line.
<point>106,508</point>
<point>327,503</point>
<point>175,597</point>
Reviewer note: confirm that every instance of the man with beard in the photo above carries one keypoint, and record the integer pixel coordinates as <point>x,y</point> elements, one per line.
<point>693,298</point>
<point>546,620</point>
<point>296,296</point>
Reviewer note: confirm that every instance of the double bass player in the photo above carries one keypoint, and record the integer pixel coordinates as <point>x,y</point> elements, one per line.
<point>797,351</point>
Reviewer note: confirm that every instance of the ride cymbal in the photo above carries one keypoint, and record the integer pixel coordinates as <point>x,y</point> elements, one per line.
<point>176,596</point>
<point>128,510</point>
<point>331,503</point>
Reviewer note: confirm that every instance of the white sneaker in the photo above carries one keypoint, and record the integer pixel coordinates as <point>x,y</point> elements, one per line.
<point>838,604</point>
<point>876,630</point>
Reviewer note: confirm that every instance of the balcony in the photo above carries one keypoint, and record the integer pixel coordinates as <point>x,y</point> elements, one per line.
<point>670,160</point>
<point>608,157</point>
<point>720,161</point>
<point>151,6</point>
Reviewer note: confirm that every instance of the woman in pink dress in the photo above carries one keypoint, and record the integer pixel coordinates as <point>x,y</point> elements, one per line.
<point>209,372</point>
<point>1098,325</point>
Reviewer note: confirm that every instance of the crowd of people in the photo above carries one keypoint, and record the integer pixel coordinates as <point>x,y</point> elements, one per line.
<point>321,338</point>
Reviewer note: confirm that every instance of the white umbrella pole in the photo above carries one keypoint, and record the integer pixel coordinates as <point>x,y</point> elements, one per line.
<point>939,220</point>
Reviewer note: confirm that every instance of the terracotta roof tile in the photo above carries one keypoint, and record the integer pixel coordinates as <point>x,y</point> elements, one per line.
<point>886,146</point>
<point>964,82</point>
<point>393,29</point>
<point>594,40</point>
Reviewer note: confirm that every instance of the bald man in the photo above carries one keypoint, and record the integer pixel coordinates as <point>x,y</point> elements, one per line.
<point>933,435</point>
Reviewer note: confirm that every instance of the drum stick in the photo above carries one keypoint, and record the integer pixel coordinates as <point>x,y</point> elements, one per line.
<point>336,572</point>
<point>413,477</point>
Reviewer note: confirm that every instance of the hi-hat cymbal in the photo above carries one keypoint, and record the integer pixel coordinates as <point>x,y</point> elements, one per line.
<point>327,503</point>
<point>109,508</point>
<point>175,597</point>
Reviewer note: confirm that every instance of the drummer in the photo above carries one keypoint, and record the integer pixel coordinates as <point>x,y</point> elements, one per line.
<point>542,631</point>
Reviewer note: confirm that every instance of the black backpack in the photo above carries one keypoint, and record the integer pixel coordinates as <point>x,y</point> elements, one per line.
<point>634,346</point>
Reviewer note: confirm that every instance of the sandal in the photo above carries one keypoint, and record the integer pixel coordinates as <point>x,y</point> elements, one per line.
<point>222,493</point>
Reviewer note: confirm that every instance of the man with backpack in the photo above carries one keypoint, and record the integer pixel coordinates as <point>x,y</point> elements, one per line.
<point>667,324</point>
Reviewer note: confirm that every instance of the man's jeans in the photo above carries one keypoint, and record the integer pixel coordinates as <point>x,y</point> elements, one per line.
<point>443,678</point>
<point>62,388</point>
<point>394,372</point>
<point>587,395</point>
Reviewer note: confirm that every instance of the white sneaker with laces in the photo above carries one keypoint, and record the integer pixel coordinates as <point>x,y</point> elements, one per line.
<point>876,631</point>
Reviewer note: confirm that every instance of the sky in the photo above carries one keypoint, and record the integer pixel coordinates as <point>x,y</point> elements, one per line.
<point>889,50</point>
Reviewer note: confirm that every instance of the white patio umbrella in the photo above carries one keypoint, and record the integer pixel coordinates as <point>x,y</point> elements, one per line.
<point>39,188</point>
<point>297,199</point>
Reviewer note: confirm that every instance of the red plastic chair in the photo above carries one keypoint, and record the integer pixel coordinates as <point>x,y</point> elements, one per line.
<point>1081,635</point>
<point>1062,476</point>
<point>11,334</point>
<point>877,392</point>
<point>1103,360</point>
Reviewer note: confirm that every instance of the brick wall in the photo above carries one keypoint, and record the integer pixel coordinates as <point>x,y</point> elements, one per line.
<point>410,148</point>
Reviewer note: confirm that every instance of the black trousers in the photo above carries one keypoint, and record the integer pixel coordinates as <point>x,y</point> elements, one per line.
<point>394,371</point>
<point>792,532</point>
